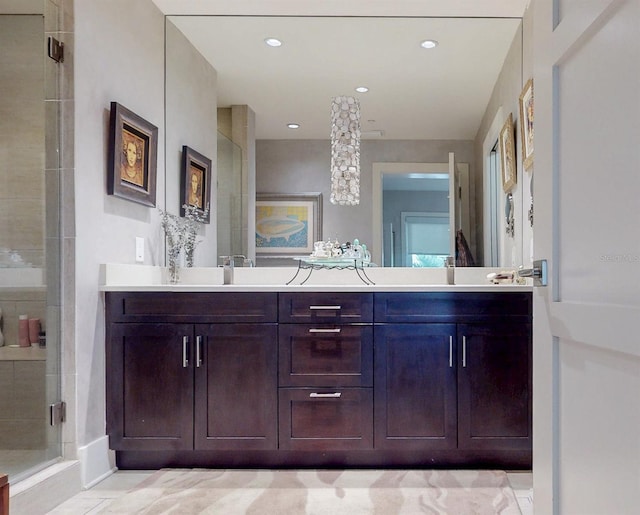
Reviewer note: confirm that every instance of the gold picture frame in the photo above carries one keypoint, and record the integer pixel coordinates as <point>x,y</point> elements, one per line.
<point>508,155</point>
<point>526,124</point>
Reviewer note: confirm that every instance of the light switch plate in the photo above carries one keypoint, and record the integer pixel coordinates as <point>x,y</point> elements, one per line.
<point>139,250</point>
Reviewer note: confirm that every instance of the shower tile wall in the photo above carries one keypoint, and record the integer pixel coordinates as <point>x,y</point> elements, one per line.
<point>22,137</point>
<point>22,378</point>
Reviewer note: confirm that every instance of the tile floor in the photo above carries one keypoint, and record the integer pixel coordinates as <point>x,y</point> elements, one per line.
<point>100,496</point>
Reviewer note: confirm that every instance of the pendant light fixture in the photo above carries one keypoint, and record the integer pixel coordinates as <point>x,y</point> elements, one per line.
<point>345,151</point>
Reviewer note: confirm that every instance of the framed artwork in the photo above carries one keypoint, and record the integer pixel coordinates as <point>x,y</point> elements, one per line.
<point>508,155</point>
<point>195,182</point>
<point>287,225</point>
<point>133,152</point>
<point>526,124</point>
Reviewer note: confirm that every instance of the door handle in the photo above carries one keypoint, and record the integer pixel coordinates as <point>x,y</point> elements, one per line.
<point>538,272</point>
<point>464,352</point>
<point>198,351</point>
<point>185,351</point>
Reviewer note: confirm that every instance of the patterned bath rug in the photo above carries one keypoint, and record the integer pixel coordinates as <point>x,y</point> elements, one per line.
<point>320,492</point>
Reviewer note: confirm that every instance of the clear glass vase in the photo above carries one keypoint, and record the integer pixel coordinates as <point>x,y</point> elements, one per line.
<point>173,268</point>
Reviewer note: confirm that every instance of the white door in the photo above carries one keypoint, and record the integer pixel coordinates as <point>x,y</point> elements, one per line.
<point>586,366</point>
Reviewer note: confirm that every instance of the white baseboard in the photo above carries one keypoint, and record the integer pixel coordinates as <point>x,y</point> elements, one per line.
<point>96,462</point>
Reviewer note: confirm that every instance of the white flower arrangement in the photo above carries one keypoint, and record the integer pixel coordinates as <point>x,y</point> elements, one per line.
<point>181,234</point>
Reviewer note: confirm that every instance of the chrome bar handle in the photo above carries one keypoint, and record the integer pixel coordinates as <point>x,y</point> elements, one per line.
<point>539,272</point>
<point>450,351</point>
<point>198,351</point>
<point>185,351</point>
<point>464,351</point>
<point>336,330</point>
<point>335,395</point>
<point>335,308</point>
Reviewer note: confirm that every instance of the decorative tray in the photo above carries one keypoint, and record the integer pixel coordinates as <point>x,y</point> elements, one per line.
<point>335,261</point>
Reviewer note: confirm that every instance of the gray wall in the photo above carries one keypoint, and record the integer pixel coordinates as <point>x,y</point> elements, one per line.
<point>191,118</point>
<point>517,69</point>
<point>127,66</point>
<point>300,166</point>
<point>121,58</point>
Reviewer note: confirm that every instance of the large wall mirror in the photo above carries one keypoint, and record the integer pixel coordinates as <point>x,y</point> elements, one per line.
<point>421,103</point>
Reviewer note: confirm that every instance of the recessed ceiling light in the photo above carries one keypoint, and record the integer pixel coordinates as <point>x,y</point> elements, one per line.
<point>362,89</point>
<point>429,43</point>
<point>273,42</point>
<point>293,125</point>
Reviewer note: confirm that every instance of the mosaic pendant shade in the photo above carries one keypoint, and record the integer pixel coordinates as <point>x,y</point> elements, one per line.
<point>345,151</point>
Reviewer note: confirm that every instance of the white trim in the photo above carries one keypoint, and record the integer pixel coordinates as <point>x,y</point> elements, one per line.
<point>96,461</point>
<point>487,145</point>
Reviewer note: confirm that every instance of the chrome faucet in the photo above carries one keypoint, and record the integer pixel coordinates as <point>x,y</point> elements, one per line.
<point>227,265</point>
<point>450,264</point>
<point>246,262</point>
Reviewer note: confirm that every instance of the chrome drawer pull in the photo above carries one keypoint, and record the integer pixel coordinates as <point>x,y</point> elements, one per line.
<point>336,330</point>
<point>185,351</point>
<point>450,351</point>
<point>315,395</point>
<point>326,307</point>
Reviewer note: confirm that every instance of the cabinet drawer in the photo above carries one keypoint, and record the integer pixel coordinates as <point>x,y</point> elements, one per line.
<point>321,307</point>
<point>321,419</point>
<point>419,307</point>
<point>223,307</point>
<point>321,355</point>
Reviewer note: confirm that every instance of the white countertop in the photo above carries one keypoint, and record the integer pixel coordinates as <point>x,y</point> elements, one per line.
<point>318,287</point>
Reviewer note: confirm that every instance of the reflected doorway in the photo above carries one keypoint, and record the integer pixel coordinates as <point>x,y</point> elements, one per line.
<point>405,197</point>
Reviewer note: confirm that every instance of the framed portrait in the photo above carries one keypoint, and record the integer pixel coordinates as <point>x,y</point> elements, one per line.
<point>526,124</point>
<point>508,155</point>
<point>195,182</point>
<point>287,225</point>
<point>133,153</point>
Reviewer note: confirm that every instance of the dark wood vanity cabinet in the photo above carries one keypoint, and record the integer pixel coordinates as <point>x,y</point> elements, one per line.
<point>319,379</point>
<point>453,371</point>
<point>184,386</point>
<point>326,371</point>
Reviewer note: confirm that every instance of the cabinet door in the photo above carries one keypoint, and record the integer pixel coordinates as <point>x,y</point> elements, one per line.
<point>415,386</point>
<point>236,386</point>
<point>494,385</point>
<point>150,387</point>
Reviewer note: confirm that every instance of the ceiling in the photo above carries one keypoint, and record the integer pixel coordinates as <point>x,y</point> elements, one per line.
<point>413,93</point>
